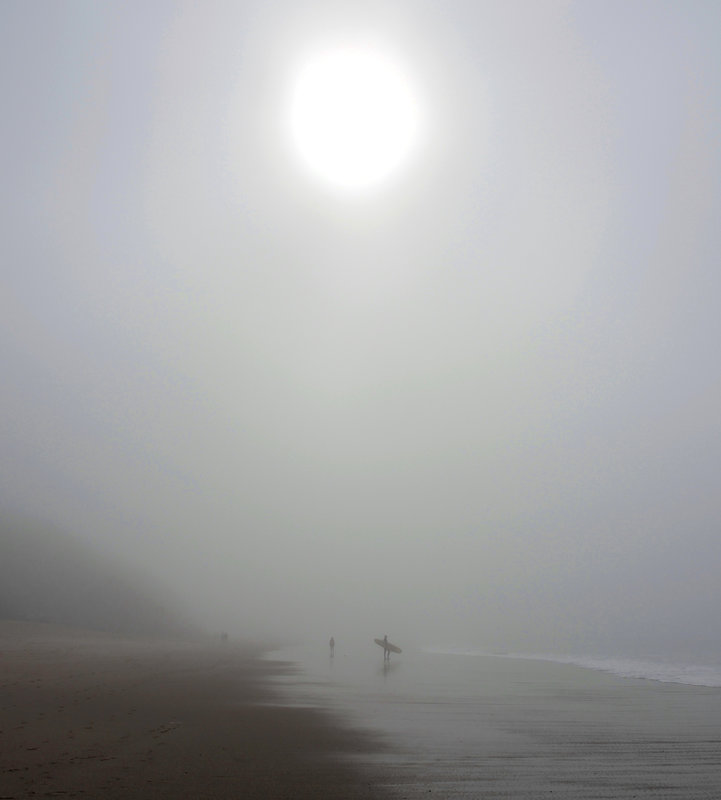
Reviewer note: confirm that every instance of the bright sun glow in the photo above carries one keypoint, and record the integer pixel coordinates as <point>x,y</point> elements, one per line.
<point>353,116</point>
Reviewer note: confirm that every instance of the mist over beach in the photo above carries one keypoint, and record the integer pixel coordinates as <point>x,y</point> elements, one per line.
<point>393,321</point>
<point>476,403</point>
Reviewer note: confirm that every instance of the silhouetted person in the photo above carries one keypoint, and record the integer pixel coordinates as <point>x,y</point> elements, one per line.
<point>332,646</point>
<point>386,649</point>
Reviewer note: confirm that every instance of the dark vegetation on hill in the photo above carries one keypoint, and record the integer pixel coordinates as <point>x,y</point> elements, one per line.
<point>46,575</point>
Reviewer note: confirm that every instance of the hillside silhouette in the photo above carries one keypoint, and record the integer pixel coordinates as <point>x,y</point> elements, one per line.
<point>46,575</point>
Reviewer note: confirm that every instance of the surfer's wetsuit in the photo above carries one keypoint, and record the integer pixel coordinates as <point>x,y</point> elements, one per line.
<point>386,651</point>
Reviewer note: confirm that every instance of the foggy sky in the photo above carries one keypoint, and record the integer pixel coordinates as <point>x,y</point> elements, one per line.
<point>478,403</point>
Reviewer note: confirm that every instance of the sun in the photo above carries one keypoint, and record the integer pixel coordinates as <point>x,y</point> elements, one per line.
<point>353,115</point>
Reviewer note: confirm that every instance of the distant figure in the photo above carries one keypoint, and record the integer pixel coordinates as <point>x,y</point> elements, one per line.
<point>332,647</point>
<point>386,649</point>
<point>224,637</point>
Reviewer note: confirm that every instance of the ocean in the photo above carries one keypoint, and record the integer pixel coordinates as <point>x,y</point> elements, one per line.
<point>463,723</point>
<point>701,670</point>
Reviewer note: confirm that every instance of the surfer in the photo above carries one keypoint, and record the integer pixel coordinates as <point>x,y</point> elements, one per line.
<point>388,648</point>
<point>332,646</point>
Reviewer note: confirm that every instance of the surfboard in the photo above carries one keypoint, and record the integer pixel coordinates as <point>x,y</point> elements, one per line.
<point>390,646</point>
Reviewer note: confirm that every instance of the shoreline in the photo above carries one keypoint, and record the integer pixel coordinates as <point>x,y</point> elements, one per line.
<point>87,714</point>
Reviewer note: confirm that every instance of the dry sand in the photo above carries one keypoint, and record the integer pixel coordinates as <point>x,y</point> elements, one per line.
<point>96,716</point>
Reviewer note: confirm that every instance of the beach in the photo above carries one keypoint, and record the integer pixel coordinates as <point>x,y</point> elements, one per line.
<point>93,715</point>
<point>84,714</point>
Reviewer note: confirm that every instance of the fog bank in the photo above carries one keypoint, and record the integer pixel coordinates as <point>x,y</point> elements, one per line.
<point>477,404</point>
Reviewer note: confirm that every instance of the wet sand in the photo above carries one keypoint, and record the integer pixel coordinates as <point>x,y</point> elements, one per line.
<point>89,715</point>
<point>493,727</point>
